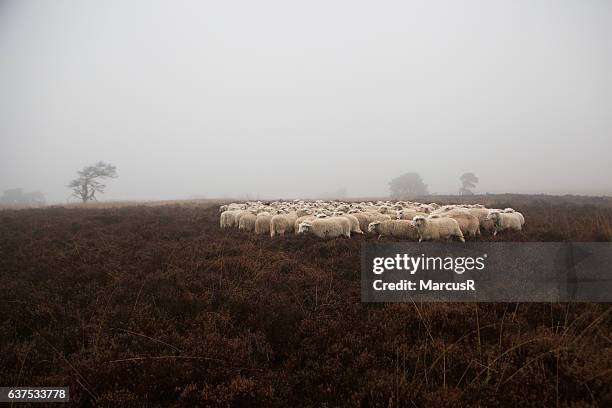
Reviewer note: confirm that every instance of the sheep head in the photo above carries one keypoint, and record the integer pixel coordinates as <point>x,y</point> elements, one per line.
<point>419,221</point>
<point>304,227</point>
<point>493,215</point>
<point>372,227</point>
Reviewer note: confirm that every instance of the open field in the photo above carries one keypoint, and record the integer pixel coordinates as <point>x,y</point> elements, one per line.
<point>129,303</point>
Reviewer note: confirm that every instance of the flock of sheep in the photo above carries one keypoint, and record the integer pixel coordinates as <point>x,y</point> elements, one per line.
<point>400,219</point>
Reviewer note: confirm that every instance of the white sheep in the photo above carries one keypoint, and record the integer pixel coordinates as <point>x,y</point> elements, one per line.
<point>504,221</point>
<point>367,217</point>
<point>301,219</point>
<point>479,212</point>
<point>426,208</point>
<point>390,211</point>
<point>326,227</point>
<point>362,218</point>
<point>409,213</point>
<point>257,215</point>
<point>303,211</point>
<point>437,228</point>
<point>247,222</point>
<point>262,223</point>
<point>352,219</point>
<point>228,218</point>
<point>486,224</point>
<point>469,224</point>
<point>394,228</point>
<point>518,214</point>
<point>282,223</point>
<point>343,208</point>
<point>238,214</point>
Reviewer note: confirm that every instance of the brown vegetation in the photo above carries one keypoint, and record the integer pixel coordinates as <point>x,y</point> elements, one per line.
<point>158,304</point>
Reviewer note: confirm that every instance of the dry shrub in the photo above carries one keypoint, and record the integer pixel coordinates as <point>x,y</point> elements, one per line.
<point>156,303</point>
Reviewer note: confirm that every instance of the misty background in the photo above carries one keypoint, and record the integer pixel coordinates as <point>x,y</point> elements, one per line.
<point>293,99</point>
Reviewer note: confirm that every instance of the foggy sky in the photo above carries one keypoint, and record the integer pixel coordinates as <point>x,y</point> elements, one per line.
<point>292,99</point>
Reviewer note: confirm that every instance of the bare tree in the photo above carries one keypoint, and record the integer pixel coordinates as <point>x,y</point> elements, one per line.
<point>407,185</point>
<point>89,181</point>
<point>468,182</point>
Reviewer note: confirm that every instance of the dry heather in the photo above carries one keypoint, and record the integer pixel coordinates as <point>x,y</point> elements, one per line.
<point>158,303</point>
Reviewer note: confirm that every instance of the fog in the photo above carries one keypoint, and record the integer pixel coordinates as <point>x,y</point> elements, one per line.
<point>271,99</point>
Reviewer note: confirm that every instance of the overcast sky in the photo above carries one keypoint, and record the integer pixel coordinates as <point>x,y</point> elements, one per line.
<point>293,99</point>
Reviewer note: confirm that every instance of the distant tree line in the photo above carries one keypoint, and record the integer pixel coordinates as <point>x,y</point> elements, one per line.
<point>408,185</point>
<point>411,185</point>
<point>18,196</point>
